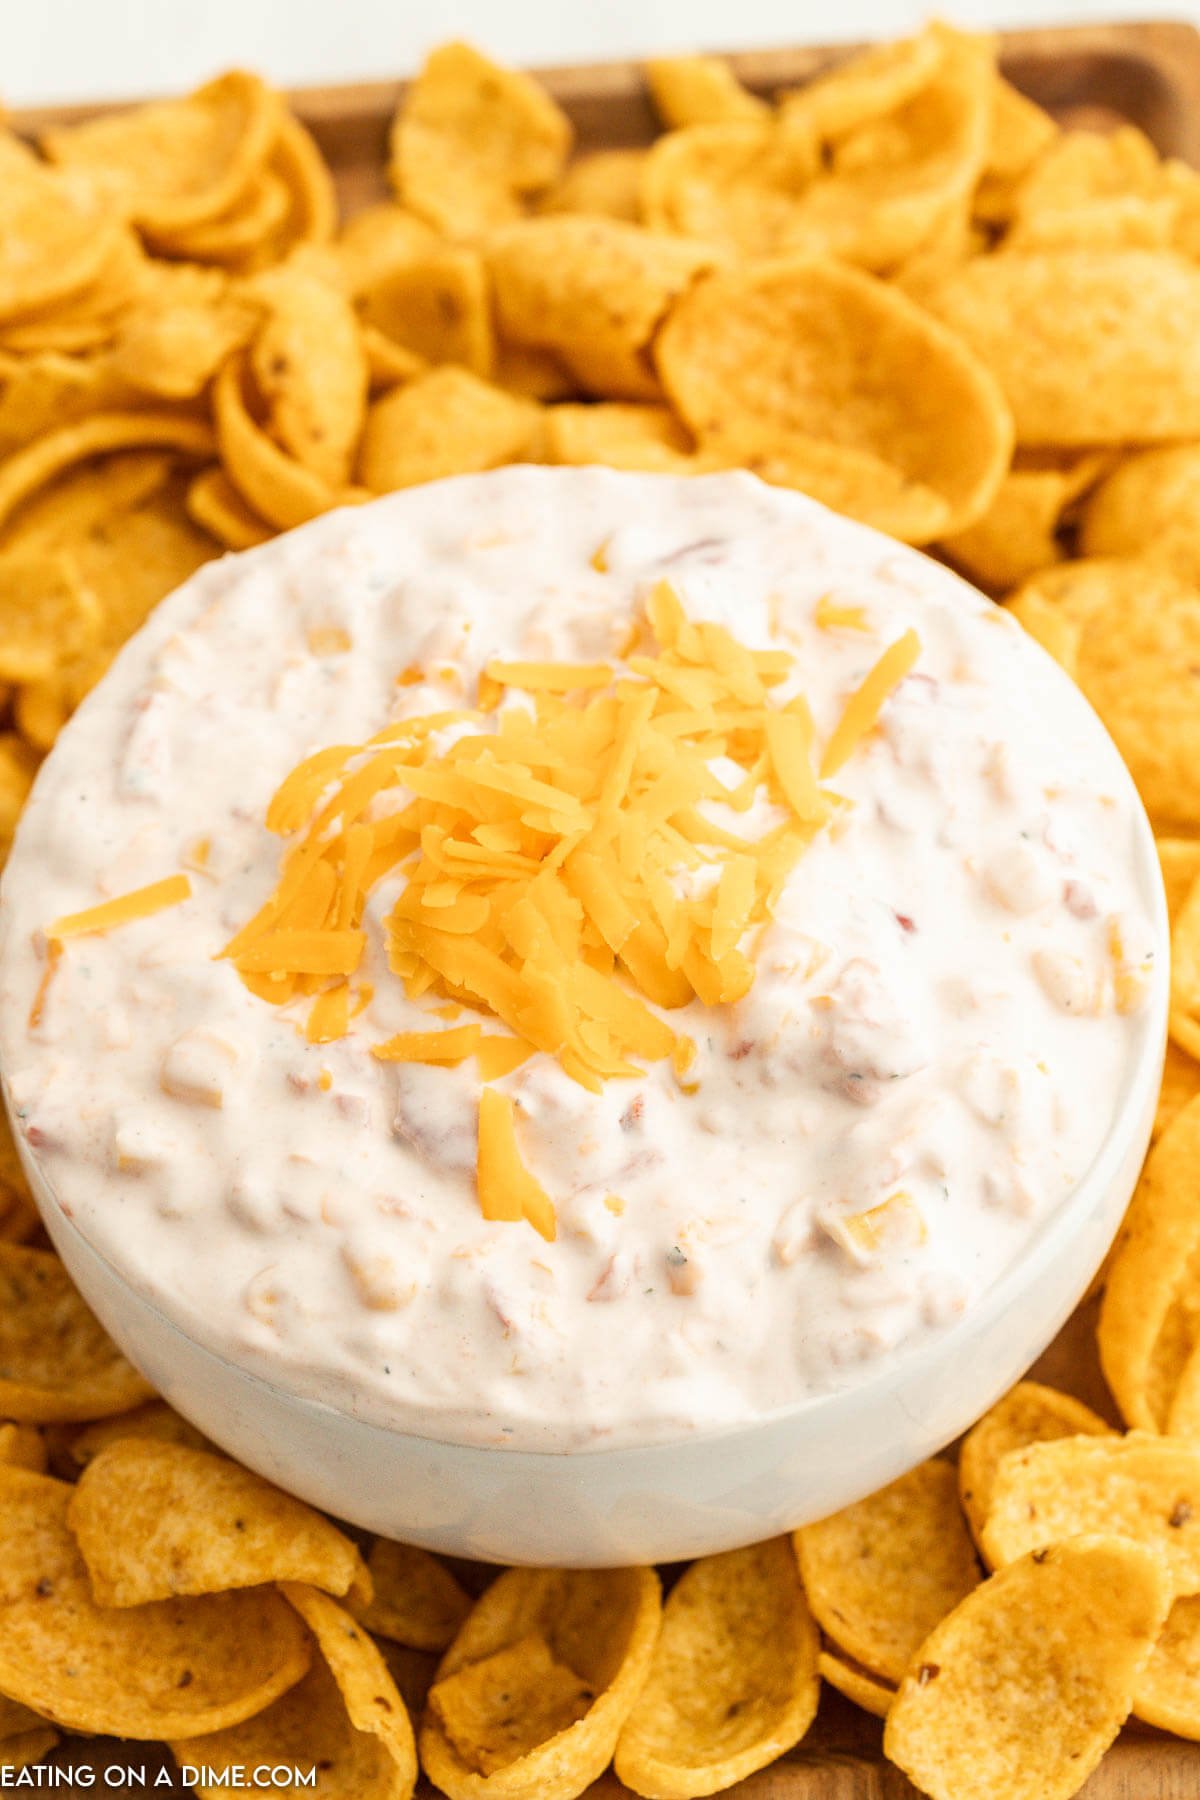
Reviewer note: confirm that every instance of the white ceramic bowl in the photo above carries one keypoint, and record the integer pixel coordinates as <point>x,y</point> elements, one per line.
<point>666,1501</point>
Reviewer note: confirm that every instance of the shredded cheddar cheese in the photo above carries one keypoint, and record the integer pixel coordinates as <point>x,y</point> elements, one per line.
<point>142,903</point>
<point>562,873</point>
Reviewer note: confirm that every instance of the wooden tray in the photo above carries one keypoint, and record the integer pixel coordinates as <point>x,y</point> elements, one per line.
<point>1098,76</point>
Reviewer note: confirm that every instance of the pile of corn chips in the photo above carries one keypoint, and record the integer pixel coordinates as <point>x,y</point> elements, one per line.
<point>902,289</point>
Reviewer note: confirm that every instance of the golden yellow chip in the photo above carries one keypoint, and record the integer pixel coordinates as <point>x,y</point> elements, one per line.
<point>177,163</point>
<point>172,346</point>
<point>23,1447</point>
<point>881,1573</point>
<point>598,1628</point>
<point>175,1669</point>
<point>1185,974</point>
<point>368,1692</point>
<point>154,1518</point>
<point>309,1728</point>
<point>739,185</point>
<point>378,241</point>
<point>309,367</point>
<point>867,85</point>
<point>621,437</point>
<point>1018,535</point>
<point>1180,1083</point>
<point>733,1680</point>
<point>764,363</point>
<point>436,304</point>
<point>236,236</point>
<point>280,489</point>
<point>472,141</point>
<point>1109,346</point>
<point>1018,133</point>
<point>1018,1694</point>
<point>502,1708</point>
<point>52,244</point>
<point>1145,1335</point>
<point>856,1683</point>
<point>39,393</point>
<point>48,457</point>
<point>1148,507</point>
<point>417,1601</point>
<point>47,614</point>
<point>605,182</point>
<point>532,374</point>
<point>58,1363</point>
<point>1028,1414</point>
<point>1129,632</point>
<point>1140,1486</point>
<point>1088,188</point>
<point>1168,1694</point>
<point>153,1420</point>
<point>447,422</point>
<point>18,765</point>
<point>214,503</point>
<point>699,90</point>
<point>313,209</point>
<point>594,292</point>
<point>413,1672</point>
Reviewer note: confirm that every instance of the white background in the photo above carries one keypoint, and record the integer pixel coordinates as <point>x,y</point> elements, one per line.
<point>79,49</point>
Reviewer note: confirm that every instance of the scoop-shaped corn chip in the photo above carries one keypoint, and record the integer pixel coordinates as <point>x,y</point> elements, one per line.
<point>378,241</point>
<point>1168,1694</point>
<point>171,347</point>
<point>1179,860</point>
<point>23,1447</point>
<point>236,236</point>
<point>1018,132</point>
<point>46,614</point>
<point>620,437</point>
<point>881,1573</point>
<point>594,291</point>
<point>214,503</point>
<point>55,1360</point>
<point>472,140</point>
<point>1140,1486</point>
<point>597,1628</point>
<point>532,374</point>
<point>416,1600</point>
<point>447,422</point>
<point>310,369</point>
<point>1149,506</point>
<point>1185,974</point>
<point>278,487</point>
<point>502,1708</point>
<point>313,209</point>
<point>1028,1414</point>
<point>309,1727</point>
<point>887,184</point>
<point>52,243</point>
<point>733,1680</point>
<point>154,1519</point>
<point>437,304</point>
<point>1017,535</point>
<point>39,393</point>
<point>1180,1083</point>
<point>1103,189</point>
<point>1129,632</point>
<point>1017,1695</point>
<point>856,1683</point>
<point>761,362</point>
<point>867,85</point>
<point>1146,1330</point>
<point>176,163</point>
<point>50,456</point>
<point>605,182</point>
<point>19,1216</point>
<point>174,1669</point>
<point>1108,349</point>
<point>699,90</point>
<point>154,1420</point>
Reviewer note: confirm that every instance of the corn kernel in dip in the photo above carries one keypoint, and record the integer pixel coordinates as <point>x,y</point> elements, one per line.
<point>621,995</point>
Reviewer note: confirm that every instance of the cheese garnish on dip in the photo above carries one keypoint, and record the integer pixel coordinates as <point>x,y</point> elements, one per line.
<point>562,958</point>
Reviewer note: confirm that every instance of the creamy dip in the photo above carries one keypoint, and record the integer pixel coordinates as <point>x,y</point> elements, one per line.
<point>944,1012</point>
